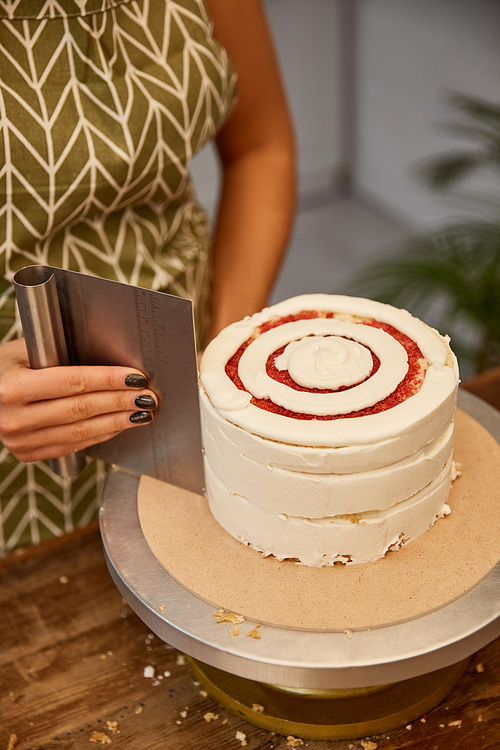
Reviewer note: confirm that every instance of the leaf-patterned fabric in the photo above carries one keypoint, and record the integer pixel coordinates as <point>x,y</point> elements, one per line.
<point>103,103</point>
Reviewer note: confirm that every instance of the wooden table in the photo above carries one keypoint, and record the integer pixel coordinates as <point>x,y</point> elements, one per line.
<point>72,673</point>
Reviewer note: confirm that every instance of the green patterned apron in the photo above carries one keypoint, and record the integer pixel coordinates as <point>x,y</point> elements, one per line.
<point>103,103</point>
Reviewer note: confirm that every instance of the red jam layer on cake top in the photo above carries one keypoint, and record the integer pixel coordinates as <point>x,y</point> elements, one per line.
<point>411,383</point>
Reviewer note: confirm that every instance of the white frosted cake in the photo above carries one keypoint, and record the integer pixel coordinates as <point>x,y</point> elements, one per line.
<point>328,426</point>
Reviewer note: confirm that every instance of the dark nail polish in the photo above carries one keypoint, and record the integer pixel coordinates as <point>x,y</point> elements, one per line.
<point>145,402</point>
<point>141,417</point>
<point>134,380</point>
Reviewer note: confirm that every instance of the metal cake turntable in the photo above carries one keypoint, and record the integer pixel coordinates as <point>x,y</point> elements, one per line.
<point>314,684</point>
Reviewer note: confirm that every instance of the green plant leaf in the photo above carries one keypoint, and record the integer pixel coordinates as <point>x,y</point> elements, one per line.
<point>443,173</point>
<point>458,266</point>
<point>475,120</point>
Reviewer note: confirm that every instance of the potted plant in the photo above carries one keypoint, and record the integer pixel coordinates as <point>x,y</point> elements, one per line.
<point>452,273</point>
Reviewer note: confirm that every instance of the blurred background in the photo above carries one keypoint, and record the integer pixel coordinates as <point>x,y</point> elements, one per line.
<point>370,85</point>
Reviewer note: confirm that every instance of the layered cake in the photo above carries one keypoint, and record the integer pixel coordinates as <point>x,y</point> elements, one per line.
<point>328,426</point>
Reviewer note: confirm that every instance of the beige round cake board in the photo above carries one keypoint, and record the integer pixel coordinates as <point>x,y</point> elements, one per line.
<point>441,565</point>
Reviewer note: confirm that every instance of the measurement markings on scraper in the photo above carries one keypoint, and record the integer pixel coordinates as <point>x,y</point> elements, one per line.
<point>153,341</point>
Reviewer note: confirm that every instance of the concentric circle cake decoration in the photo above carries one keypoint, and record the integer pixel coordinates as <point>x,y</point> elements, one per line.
<point>321,408</point>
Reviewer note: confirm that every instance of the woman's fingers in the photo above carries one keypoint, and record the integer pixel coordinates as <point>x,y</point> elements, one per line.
<point>21,384</point>
<point>59,439</point>
<point>56,411</point>
<point>58,450</point>
<point>78,410</point>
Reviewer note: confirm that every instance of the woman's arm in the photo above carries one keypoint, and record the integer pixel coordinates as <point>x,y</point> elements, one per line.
<point>257,153</point>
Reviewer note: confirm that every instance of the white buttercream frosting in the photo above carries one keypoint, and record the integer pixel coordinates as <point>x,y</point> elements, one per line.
<point>318,542</point>
<point>322,489</point>
<point>393,368</point>
<point>326,362</point>
<point>299,493</point>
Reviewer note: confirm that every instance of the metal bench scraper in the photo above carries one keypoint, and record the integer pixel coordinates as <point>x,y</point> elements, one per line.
<point>77,319</point>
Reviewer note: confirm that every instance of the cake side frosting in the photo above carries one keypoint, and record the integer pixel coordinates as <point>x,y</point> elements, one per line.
<point>328,540</point>
<point>328,494</point>
<point>330,418</point>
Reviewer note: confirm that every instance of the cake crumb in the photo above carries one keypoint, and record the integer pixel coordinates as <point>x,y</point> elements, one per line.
<point>210,716</point>
<point>181,660</point>
<point>149,672</point>
<point>203,693</point>
<point>63,579</point>
<point>234,632</point>
<point>162,608</point>
<point>183,713</point>
<point>348,634</point>
<point>254,633</point>
<point>479,668</point>
<point>457,723</point>
<point>222,616</point>
<point>13,740</point>
<point>99,738</point>
<point>292,741</point>
<point>138,710</point>
<point>113,727</point>
<point>368,745</point>
<point>258,708</point>
<point>242,738</point>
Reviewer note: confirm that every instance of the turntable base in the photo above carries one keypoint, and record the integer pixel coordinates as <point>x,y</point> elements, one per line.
<point>336,678</point>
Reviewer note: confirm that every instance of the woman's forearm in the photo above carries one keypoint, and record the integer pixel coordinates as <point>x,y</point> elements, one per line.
<point>257,152</point>
<point>255,219</point>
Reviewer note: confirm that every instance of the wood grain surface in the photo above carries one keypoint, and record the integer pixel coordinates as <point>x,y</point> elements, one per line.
<point>72,673</point>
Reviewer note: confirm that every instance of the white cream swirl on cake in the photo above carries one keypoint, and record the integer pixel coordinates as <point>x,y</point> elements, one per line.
<point>328,427</point>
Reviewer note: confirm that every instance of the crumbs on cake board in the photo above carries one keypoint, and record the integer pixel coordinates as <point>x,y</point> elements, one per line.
<point>456,470</point>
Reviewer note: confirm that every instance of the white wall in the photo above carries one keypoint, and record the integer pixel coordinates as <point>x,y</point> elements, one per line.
<point>410,54</point>
<point>306,34</point>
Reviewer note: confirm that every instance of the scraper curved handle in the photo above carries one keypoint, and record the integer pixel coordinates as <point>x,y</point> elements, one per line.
<point>38,302</point>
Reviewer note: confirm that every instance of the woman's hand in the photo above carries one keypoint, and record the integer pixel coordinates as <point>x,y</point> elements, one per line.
<point>56,411</point>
